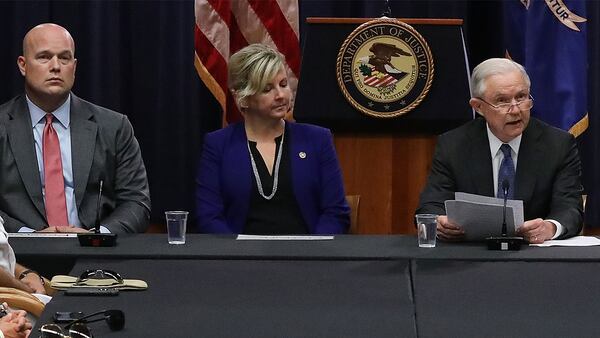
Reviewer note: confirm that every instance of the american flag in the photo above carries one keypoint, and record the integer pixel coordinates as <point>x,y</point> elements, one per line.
<point>377,79</point>
<point>225,26</point>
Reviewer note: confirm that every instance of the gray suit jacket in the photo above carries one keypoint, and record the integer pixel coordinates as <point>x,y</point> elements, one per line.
<point>103,148</point>
<point>548,177</point>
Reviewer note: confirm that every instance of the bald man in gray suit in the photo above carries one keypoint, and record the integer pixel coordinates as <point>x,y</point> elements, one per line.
<point>96,145</point>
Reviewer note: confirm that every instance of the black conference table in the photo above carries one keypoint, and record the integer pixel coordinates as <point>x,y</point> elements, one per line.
<point>352,286</point>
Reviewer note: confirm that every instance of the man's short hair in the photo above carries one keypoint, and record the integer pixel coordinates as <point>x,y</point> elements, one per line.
<point>494,66</point>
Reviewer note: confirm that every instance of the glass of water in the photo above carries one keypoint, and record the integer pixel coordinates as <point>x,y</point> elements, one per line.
<point>426,227</point>
<point>176,226</point>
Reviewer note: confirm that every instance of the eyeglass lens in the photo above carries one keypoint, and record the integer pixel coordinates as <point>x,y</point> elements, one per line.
<point>100,274</point>
<point>80,330</point>
<point>51,331</point>
<point>521,103</point>
<point>77,330</point>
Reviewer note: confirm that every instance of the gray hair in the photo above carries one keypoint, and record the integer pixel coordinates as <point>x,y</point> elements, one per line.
<point>494,66</point>
<point>251,68</point>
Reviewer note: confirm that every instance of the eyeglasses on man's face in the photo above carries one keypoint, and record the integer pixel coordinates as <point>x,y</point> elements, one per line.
<point>524,103</point>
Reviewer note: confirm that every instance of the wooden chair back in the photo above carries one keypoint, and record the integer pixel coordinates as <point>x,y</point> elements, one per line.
<point>353,203</point>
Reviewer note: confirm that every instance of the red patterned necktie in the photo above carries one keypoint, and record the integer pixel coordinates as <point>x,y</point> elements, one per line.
<point>56,205</point>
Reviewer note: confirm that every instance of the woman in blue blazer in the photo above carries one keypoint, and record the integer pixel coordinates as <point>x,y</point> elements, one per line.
<point>265,175</point>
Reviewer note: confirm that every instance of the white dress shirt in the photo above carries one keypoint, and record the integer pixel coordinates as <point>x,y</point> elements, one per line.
<point>498,156</point>
<point>7,255</point>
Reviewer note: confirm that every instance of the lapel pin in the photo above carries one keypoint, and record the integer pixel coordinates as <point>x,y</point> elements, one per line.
<point>302,154</point>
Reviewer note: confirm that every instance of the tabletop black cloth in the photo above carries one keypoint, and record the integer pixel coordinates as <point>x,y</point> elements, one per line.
<point>343,247</point>
<point>351,286</point>
<point>242,298</point>
<point>506,299</point>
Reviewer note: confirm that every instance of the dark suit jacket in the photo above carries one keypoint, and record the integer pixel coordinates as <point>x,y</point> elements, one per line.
<point>224,180</point>
<point>103,148</point>
<point>548,177</point>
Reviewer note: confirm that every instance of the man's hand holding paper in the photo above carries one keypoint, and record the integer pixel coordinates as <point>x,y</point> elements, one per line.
<point>449,231</point>
<point>537,230</point>
<point>479,217</point>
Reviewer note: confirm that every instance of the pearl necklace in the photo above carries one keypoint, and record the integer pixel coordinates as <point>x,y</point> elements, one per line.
<point>276,172</point>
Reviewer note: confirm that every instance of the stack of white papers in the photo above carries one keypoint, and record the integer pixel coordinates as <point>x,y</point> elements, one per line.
<point>41,234</point>
<point>574,241</point>
<point>481,216</point>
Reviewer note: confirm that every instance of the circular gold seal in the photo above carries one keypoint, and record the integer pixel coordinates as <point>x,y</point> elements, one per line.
<point>384,68</point>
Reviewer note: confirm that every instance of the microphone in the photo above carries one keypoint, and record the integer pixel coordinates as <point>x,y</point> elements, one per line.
<point>96,238</point>
<point>97,225</point>
<point>504,242</point>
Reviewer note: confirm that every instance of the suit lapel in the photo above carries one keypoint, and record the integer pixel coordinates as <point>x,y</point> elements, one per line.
<point>240,161</point>
<point>480,160</point>
<point>302,158</point>
<point>20,134</point>
<point>83,142</point>
<point>527,162</point>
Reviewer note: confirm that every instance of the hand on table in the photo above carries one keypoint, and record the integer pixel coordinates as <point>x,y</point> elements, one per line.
<point>15,325</point>
<point>71,229</point>
<point>48,229</point>
<point>64,229</point>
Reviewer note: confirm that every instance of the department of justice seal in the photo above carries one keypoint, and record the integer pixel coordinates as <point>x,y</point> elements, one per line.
<point>384,68</point>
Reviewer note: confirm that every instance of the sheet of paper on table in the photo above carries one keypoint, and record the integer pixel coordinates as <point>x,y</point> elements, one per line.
<point>284,238</point>
<point>573,241</point>
<point>41,235</point>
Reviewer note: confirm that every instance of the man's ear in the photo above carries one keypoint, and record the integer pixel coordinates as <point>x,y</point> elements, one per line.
<point>22,64</point>
<point>476,105</point>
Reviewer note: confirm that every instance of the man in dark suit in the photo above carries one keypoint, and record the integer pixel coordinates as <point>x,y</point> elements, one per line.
<point>56,150</point>
<point>540,163</point>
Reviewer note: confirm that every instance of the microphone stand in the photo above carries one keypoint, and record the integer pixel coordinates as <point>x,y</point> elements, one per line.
<point>96,238</point>
<point>504,242</point>
<point>505,191</point>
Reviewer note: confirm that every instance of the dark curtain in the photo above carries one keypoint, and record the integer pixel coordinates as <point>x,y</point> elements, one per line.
<point>136,57</point>
<point>589,142</point>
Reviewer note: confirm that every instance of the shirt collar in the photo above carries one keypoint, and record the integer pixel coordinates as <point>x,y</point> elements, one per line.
<point>62,113</point>
<point>495,142</point>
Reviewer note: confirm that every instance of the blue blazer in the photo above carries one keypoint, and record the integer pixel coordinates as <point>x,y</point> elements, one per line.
<point>224,180</point>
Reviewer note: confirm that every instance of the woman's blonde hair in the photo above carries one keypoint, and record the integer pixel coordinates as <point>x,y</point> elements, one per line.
<point>251,68</point>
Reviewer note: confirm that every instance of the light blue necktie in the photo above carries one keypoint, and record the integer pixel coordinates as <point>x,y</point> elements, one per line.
<point>506,172</point>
